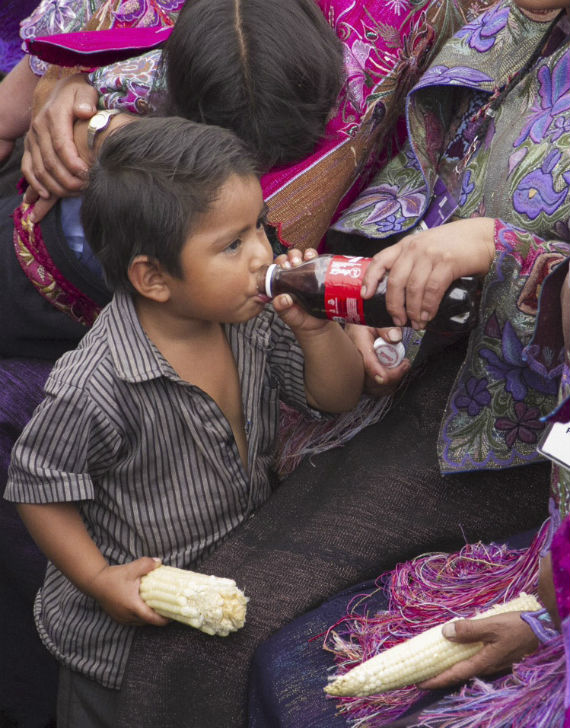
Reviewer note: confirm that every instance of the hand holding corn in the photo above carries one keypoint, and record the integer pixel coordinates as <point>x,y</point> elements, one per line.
<point>418,659</point>
<point>208,603</point>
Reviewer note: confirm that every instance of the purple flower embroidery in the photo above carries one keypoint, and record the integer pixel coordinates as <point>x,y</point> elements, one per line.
<point>535,193</point>
<point>474,398</point>
<point>387,203</point>
<point>553,99</point>
<point>525,426</point>
<point>481,33</point>
<point>459,75</point>
<point>466,188</point>
<point>511,368</point>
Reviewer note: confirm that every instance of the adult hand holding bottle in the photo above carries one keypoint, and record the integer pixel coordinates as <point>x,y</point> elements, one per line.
<point>380,379</point>
<point>421,267</point>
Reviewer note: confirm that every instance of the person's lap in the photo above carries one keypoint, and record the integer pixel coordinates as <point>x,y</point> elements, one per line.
<point>341,518</point>
<point>290,669</point>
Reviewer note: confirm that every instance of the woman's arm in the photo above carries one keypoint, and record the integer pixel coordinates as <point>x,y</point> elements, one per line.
<point>16,95</point>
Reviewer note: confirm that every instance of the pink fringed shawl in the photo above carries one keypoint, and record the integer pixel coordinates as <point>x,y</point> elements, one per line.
<point>430,590</point>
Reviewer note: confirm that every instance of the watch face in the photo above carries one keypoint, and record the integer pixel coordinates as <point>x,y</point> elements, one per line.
<point>100,120</point>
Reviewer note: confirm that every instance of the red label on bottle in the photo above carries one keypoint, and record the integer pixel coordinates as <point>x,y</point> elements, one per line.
<point>343,282</point>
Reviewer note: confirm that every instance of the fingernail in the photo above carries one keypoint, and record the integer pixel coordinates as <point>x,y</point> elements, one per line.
<point>363,291</point>
<point>424,316</point>
<point>158,561</point>
<point>378,379</point>
<point>286,264</point>
<point>448,630</point>
<point>398,321</point>
<point>394,335</point>
<point>287,300</point>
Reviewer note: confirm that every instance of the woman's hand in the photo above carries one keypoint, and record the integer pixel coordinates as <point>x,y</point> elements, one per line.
<point>506,639</point>
<point>51,163</point>
<point>422,266</point>
<point>380,380</point>
<point>116,588</point>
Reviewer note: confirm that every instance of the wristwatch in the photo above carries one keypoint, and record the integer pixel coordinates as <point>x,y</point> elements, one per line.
<point>97,123</point>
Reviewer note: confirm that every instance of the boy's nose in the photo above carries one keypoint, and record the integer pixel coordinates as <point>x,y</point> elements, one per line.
<point>262,253</point>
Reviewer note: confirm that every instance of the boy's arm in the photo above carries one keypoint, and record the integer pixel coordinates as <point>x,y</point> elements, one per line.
<point>334,371</point>
<point>60,533</point>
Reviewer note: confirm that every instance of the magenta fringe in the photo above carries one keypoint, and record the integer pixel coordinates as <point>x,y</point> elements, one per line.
<point>423,593</point>
<point>300,437</point>
<point>531,697</point>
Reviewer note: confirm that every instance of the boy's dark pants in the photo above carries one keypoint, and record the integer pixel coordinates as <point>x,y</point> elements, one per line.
<point>84,703</point>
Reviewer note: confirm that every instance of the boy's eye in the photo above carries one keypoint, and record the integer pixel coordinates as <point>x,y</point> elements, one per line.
<point>233,246</point>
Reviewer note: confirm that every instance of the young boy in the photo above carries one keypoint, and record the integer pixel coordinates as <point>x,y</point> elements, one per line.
<point>156,436</point>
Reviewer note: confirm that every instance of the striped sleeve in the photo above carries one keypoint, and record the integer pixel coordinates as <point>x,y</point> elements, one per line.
<point>55,453</point>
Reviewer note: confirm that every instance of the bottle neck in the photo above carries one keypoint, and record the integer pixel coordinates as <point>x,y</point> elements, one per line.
<point>269,279</point>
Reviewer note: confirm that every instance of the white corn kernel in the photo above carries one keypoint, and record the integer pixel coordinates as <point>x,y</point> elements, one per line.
<point>212,604</point>
<point>419,658</point>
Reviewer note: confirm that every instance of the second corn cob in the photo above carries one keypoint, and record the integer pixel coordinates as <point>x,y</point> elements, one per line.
<point>417,659</point>
<point>208,603</point>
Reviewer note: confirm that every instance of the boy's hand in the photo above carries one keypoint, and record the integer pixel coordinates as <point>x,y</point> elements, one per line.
<point>422,266</point>
<point>380,380</point>
<point>506,639</point>
<point>293,315</point>
<point>116,588</point>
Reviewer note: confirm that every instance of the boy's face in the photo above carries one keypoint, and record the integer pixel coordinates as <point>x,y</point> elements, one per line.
<point>222,256</point>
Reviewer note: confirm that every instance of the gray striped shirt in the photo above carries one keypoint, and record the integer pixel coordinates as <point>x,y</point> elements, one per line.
<point>150,460</point>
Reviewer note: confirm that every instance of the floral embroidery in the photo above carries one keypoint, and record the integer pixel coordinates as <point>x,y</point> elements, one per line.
<point>513,369</point>
<point>461,75</point>
<point>474,397</point>
<point>525,425</point>
<point>481,34</point>
<point>535,193</point>
<point>553,100</point>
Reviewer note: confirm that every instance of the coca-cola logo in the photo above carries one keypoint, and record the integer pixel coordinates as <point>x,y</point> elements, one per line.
<point>350,268</point>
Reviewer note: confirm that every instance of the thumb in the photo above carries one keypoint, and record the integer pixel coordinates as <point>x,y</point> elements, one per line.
<point>464,630</point>
<point>144,565</point>
<point>85,102</point>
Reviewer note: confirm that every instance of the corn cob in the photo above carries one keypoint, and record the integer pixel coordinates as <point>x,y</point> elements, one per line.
<point>417,659</point>
<point>208,603</point>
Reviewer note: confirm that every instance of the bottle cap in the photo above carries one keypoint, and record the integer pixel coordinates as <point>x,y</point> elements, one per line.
<point>390,355</point>
<point>268,277</point>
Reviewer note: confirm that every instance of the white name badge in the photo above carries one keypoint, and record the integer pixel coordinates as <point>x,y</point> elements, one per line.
<point>556,444</point>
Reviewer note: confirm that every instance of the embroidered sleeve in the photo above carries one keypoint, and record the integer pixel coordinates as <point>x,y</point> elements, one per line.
<point>493,415</point>
<point>56,16</point>
<point>136,85</point>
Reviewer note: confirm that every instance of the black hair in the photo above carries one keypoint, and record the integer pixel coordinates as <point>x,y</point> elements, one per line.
<point>270,70</point>
<point>153,180</point>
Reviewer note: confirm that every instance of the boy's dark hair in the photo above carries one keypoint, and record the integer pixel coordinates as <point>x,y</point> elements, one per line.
<point>152,182</point>
<point>270,70</point>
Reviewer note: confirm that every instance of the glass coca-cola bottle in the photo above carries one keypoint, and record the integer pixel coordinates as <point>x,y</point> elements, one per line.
<point>329,287</point>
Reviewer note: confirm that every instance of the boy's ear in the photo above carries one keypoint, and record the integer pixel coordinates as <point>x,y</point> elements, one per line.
<point>148,279</point>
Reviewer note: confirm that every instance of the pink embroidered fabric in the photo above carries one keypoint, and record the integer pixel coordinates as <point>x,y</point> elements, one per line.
<point>304,197</point>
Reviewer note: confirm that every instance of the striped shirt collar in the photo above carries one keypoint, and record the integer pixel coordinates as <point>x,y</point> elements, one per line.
<point>136,358</point>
